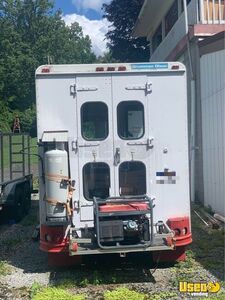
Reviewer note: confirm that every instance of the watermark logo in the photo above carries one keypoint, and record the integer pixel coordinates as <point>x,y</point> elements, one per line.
<point>199,288</point>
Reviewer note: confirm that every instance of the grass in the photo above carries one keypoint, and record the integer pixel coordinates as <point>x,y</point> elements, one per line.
<point>123,293</point>
<point>87,277</point>
<point>52,293</point>
<point>4,268</point>
<point>208,247</point>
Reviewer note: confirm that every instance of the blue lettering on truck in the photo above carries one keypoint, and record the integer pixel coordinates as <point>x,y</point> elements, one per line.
<point>149,66</point>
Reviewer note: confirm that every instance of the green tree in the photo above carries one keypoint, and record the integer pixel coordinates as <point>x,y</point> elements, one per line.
<point>31,35</point>
<point>123,46</point>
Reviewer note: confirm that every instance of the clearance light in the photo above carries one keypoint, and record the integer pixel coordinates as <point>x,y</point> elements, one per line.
<point>110,69</point>
<point>175,67</point>
<point>122,68</point>
<point>45,70</point>
<point>99,69</point>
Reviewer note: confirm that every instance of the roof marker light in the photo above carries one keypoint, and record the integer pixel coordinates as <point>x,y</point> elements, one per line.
<point>99,69</point>
<point>111,69</point>
<point>45,70</point>
<point>122,68</point>
<point>175,67</point>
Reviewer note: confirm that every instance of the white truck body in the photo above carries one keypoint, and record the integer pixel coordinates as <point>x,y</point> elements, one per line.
<point>115,119</point>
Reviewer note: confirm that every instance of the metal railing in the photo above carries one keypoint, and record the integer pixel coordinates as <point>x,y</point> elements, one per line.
<point>13,161</point>
<point>212,11</point>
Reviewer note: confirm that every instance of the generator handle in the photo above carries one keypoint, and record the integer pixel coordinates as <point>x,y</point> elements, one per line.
<point>125,199</point>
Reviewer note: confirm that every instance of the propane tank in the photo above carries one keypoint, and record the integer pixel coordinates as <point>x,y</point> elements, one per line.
<point>56,183</point>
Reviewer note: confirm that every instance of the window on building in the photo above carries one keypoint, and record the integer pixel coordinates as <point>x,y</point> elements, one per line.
<point>171,17</point>
<point>157,38</point>
<point>96,180</point>
<point>130,120</point>
<point>132,178</point>
<point>94,121</point>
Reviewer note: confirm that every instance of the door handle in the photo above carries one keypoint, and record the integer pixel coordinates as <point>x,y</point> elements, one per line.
<point>88,145</point>
<point>117,157</point>
<point>148,143</point>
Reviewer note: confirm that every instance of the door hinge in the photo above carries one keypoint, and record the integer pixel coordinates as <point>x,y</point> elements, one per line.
<point>75,146</point>
<point>150,143</point>
<point>148,87</point>
<point>73,90</point>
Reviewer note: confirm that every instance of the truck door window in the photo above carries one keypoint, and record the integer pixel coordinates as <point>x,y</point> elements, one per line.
<point>94,121</point>
<point>96,180</point>
<point>132,178</point>
<point>130,120</point>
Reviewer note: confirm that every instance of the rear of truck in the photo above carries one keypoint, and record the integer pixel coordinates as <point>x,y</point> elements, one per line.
<point>114,174</point>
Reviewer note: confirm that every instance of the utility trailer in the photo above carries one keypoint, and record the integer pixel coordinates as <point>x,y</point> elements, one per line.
<point>114,174</point>
<point>15,177</point>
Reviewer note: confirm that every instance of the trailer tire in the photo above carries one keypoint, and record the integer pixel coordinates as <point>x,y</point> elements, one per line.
<point>18,207</point>
<point>26,198</point>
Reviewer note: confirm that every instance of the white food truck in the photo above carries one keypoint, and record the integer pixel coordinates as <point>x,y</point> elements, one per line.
<point>114,175</point>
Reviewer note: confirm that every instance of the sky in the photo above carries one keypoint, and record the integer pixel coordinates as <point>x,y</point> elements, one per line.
<point>88,14</point>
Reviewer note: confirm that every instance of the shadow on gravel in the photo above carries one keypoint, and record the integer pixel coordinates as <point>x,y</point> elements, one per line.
<point>208,247</point>
<point>106,269</point>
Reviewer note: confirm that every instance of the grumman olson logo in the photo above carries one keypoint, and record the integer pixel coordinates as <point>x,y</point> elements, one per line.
<point>198,288</point>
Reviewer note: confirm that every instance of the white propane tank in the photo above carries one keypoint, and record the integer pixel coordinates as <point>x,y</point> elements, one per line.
<point>56,174</point>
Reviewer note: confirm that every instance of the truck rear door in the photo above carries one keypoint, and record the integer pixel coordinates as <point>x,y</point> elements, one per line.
<point>95,140</point>
<point>132,140</point>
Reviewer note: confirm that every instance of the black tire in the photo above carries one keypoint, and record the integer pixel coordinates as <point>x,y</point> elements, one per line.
<point>27,198</point>
<point>18,207</point>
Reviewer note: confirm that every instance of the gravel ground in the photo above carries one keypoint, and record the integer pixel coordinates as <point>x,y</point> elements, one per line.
<point>27,265</point>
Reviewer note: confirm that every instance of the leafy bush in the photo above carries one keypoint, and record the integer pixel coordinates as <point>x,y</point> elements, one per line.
<point>53,293</point>
<point>28,121</point>
<point>124,294</point>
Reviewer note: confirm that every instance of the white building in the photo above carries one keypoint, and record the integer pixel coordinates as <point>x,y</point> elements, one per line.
<point>175,30</point>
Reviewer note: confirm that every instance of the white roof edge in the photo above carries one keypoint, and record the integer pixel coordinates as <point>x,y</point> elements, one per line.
<point>91,68</point>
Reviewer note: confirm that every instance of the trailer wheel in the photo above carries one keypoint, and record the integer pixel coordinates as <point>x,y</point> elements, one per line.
<point>18,207</point>
<point>26,198</point>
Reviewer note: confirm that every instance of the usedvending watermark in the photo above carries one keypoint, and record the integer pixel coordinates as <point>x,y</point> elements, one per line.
<point>199,289</point>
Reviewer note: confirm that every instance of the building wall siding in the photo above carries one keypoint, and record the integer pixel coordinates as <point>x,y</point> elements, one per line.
<point>213,128</point>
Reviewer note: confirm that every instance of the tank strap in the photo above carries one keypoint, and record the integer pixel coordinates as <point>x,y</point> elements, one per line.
<point>54,202</point>
<point>56,177</point>
<point>67,204</point>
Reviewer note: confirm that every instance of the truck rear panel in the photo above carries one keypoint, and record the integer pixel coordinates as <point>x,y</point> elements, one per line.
<point>121,135</point>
